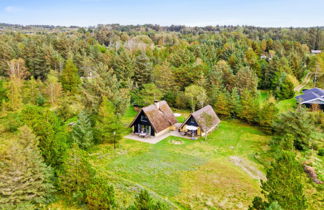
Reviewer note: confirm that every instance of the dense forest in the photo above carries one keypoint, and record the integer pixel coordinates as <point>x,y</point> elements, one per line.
<point>64,90</point>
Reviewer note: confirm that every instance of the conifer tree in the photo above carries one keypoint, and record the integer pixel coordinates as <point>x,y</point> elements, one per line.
<point>283,185</point>
<point>284,88</point>
<point>82,133</point>
<point>222,104</point>
<point>150,93</point>
<point>144,201</point>
<point>108,126</point>
<point>75,174</point>
<point>249,107</point>
<point>267,115</point>
<point>143,70</point>
<point>298,123</point>
<point>70,78</point>
<point>100,195</point>
<point>235,102</point>
<point>24,177</point>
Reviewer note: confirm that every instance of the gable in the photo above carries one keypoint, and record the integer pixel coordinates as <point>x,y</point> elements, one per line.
<point>159,115</point>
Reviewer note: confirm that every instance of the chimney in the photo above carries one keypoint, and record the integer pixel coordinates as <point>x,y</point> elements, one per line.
<point>157,104</point>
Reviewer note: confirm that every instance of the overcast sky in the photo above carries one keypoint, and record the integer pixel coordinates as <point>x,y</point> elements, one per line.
<point>267,13</point>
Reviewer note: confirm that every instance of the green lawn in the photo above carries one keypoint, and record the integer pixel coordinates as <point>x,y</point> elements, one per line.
<point>196,174</point>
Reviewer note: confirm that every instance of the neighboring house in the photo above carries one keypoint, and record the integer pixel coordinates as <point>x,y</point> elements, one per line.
<point>316,51</point>
<point>312,97</point>
<point>154,120</point>
<point>200,122</point>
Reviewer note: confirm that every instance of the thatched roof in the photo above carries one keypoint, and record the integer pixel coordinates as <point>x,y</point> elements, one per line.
<point>206,118</point>
<point>159,114</point>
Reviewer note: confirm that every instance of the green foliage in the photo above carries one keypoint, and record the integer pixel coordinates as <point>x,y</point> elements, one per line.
<point>70,78</point>
<point>196,96</point>
<point>267,115</point>
<point>321,152</point>
<point>149,94</point>
<point>284,182</point>
<point>222,104</point>
<point>3,93</point>
<point>143,70</point>
<point>249,108</point>
<point>82,132</point>
<point>299,124</point>
<point>76,174</point>
<point>46,126</point>
<point>108,126</point>
<point>100,195</point>
<point>284,88</point>
<point>24,175</point>
<point>143,201</point>
<point>105,84</point>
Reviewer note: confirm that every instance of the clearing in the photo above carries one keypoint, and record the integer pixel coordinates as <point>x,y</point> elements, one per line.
<point>193,174</point>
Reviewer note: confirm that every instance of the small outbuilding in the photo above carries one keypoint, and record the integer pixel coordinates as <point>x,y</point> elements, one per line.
<point>200,122</point>
<point>154,120</point>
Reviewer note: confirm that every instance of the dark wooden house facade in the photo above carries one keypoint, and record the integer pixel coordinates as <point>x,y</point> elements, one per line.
<point>154,120</point>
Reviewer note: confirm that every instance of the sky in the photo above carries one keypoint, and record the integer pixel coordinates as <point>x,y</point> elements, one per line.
<point>266,13</point>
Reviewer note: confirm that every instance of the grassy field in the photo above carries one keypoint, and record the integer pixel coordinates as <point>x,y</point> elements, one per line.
<point>194,174</point>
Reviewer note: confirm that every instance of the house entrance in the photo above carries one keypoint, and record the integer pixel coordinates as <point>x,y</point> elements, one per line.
<point>144,129</point>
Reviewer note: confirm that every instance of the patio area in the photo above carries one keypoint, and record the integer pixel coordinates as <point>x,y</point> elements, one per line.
<point>156,139</point>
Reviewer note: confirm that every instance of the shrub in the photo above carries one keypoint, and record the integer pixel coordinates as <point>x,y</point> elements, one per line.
<point>100,195</point>
<point>321,152</point>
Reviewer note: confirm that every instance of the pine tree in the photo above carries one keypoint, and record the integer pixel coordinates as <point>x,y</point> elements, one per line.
<point>46,126</point>
<point>108,126</point>
<point>299,124</point>
<point>249,108</point>
<point>150,93</point>
<point>267,115</point>
<point>222,104</point>
<point>100,195</point>
<point>235,102</point>
<point>144,201</point>
<point>75,174</point>
<point>284,183</point>
<point>284,88</point>
<point>24,176</point>
<point>70,78</point>
<point>54,88</point>
<point>82,133</point>
<point>143,70</point>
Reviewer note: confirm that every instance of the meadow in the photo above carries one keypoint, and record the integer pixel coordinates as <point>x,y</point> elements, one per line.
<point>194,174</point>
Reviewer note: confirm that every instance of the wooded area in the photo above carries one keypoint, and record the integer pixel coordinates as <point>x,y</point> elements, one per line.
<point>65,90</point>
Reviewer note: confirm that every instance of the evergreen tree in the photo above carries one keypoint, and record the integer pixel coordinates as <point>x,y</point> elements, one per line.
<point>267,115</point>
<point>100,195</point>
<point>76,174</point>
<point>46,126</point>
<point>143,70</point>
<point>222,104</point>
<point>284,184</point>
<point>297,123</point>
<point>249,107</point>
<point>24,176</point>
<point>70,78</point>
<point>144,201</point>
<point>82,132</point>
<point>235,102</point>
<point>284,88</point>
<point>150,93</point>
<point>108,126</point>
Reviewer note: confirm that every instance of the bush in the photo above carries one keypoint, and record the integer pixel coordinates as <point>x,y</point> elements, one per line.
<point>100,195</point>
<point>321,152</point>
